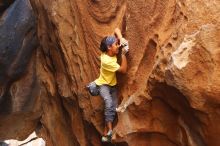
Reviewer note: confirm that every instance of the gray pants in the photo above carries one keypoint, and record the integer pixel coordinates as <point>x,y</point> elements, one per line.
<point>109,94</point>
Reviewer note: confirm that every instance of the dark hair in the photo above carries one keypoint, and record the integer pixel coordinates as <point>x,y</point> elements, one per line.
<point>103,46</point>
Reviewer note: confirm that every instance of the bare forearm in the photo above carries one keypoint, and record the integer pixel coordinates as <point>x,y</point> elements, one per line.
<point>117,33</point>
<point>123,67</point>
<point>123,63</point>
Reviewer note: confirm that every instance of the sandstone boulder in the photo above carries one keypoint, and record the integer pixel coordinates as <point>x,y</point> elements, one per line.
<point>170,95</point>
<point>19,87</point>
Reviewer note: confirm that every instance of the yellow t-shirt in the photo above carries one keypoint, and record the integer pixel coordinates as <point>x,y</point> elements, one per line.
<point>108,68</point>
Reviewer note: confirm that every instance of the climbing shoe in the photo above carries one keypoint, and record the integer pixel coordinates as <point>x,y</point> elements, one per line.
<point>109,134</point>
<point>108,137</point>
<point>105,139</point>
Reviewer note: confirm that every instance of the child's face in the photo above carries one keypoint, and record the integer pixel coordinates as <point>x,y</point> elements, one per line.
<point>115,47</point>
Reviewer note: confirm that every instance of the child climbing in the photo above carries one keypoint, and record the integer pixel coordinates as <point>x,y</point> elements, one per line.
<point>107,79</point>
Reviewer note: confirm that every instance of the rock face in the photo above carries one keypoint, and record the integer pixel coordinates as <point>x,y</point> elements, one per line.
<point>170,95</point>
<point>4,4</point>
<point>19,87</point>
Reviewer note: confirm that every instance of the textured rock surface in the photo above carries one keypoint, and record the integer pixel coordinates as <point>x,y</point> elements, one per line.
<point>4,4</point>
<point>170,95</point>
<point>19,88</point>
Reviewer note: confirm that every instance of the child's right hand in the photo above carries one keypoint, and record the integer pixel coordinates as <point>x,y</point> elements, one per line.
<point>125,50</point>
<point>124,43</point>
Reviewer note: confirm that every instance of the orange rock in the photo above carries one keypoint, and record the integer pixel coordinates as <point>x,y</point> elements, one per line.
<point>170,95</point>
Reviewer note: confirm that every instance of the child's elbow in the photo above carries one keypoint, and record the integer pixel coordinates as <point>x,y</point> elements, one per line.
<point>124,71</point>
